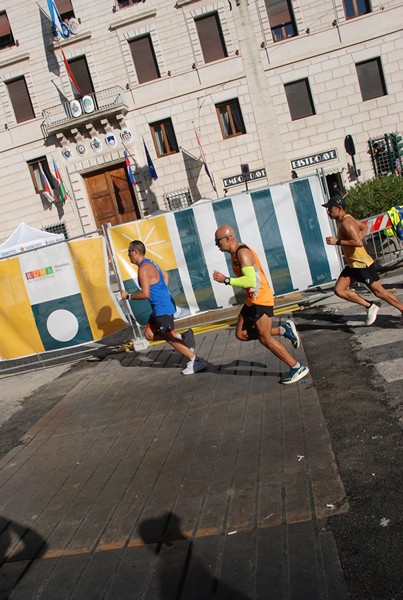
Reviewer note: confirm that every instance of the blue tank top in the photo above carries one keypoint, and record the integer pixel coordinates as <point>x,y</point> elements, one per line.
<point>160,298</point>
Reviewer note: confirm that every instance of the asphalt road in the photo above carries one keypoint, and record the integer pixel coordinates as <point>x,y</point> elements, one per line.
<point>358,373</point>
<point>363,411</point>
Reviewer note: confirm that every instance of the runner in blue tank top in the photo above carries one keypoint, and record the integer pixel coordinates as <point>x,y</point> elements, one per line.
<point>153,283</point>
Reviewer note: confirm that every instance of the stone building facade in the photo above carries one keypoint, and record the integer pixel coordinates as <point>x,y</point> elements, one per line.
<point>268,87</point>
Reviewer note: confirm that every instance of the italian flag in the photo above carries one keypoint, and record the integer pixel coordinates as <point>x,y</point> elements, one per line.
<point>61,190</point>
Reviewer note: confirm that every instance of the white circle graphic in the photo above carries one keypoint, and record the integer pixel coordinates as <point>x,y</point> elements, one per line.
<point>62,325</point>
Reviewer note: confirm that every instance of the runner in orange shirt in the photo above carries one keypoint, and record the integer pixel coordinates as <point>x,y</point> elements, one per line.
<point>256,317</point>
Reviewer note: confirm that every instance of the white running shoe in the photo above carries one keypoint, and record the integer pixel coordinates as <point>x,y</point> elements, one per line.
<point>194,365</point>
<point>372,312</point>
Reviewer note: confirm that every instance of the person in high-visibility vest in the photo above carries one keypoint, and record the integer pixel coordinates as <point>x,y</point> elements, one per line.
<point>360,265</point>
<point>396,218</point>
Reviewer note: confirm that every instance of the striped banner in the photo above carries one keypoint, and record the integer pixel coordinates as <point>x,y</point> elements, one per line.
<point>56,297</point>
<point>285,224</point>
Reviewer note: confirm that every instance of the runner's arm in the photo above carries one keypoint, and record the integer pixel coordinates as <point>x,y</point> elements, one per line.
<point>248,277</point>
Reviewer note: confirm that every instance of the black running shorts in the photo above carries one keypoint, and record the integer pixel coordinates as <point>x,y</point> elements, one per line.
<point>161,324</point>
<point>366,276</point>
<point>252,314</point>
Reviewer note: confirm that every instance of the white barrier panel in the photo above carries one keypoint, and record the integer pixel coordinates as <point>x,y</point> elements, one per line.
<point>56,297</point>
<point>285,224</point>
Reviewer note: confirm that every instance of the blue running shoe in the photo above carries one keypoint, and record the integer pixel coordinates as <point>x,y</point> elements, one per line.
<point>291,333</point>
<point>295,374</point>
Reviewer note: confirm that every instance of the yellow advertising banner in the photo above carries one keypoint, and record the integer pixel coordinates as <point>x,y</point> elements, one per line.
<point>154,233</point>
<point>89,260</point>
<point>19,334</point>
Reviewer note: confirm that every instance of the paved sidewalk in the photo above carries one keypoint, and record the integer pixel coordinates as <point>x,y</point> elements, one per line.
<point>143,483</point>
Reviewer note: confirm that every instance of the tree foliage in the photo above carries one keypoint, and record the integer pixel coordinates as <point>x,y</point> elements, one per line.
<point>375,196</point>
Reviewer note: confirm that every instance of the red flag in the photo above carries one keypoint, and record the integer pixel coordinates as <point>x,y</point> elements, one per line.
<point>73,82</point>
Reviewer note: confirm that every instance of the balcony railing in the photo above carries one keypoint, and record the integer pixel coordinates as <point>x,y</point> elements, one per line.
<point>84,109</point>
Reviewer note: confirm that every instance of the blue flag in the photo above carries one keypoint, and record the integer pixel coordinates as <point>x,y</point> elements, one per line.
<point>151,169</point>
<point>58,26</point>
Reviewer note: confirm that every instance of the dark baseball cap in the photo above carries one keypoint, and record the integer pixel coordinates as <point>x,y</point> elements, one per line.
<point>335,201</point>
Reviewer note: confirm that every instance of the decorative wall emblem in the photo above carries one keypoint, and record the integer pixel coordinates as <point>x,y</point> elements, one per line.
<point>65,30</point>
<point>111,140</point>
<point>96,144</point>
<point>81,149</point>
<point>67,153</point>
<point>88,104</point>
<point>74,25</point>
<point>75,108</point>
<point>126,135</point>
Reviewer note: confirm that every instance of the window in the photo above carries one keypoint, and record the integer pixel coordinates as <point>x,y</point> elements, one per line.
<point>81,73</point>
<point>65,9</point>
<point>370,78</point>
<point>57,228</point>
<point>281,19</point>
<point>178,199</point>
<point>144,59</point>
<point>164,137</point>
<point>40,171</point>
<point>299,99</point>
<point>211,37</point>
<point>20,100</point>
<point>355,8</point>
<point>6,35</point>
<point>230,118</point>
<point>124,3</point>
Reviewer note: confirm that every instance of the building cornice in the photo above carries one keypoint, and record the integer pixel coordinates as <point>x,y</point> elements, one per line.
<point>132,19</point>
<point>15,58</point>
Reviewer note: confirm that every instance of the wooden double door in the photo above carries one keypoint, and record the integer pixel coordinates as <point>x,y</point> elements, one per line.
<point>112,196</point>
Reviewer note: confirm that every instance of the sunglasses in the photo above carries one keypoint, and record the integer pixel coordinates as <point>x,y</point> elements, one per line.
<point>218,240</point>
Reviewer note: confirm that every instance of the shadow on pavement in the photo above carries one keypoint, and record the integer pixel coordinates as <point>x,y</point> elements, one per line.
<point>181,573</point>
<point>13,567</point>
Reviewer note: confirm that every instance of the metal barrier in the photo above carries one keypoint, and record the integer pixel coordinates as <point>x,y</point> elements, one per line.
<point>387,251</point>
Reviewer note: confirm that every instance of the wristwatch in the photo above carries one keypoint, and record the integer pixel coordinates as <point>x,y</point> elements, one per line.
<point>226,280</point>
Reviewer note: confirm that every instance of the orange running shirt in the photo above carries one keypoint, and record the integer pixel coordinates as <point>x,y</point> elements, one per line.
<point>262,292</point>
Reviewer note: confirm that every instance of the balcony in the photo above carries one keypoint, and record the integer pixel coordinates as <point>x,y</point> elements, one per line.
<point>86,110</point>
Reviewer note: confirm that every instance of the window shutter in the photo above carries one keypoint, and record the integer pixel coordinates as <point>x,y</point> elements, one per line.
<point>211,38</point>
<point>64,6</point>
<point>279,12</point>
<point>20,100</point>
<point>371,80</point>
<point>5,28</point>
<point>144,59</point>
<point>299,99</point>
<point>79,68</point>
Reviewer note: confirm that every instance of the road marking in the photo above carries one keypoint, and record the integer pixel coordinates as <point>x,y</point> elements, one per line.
<point>391,370</point>
<point>380,338</point>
